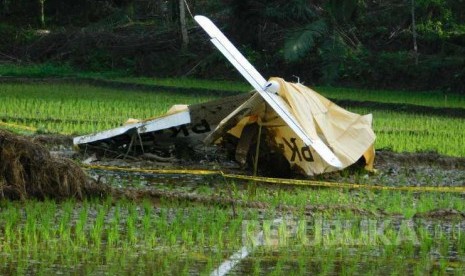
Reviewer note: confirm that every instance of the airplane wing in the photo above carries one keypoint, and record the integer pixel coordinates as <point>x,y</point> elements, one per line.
<point>260,84</point>
<point>193,121</point>
<point>162,122</point>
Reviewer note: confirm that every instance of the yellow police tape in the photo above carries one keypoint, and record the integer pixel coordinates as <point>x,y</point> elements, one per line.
<point>160,171</point>
<point>28,128</point>
<point>282,181</point>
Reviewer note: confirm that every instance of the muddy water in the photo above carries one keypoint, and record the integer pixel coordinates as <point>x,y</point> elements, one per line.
<point>393,169</point>
<point>423,245</point>
<point>137,179</point>
<point>334,247</point>
<point>305,246</point>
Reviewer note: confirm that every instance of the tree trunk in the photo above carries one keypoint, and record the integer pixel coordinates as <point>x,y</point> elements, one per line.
<point>130,10</point>
<point>182,20</point>
<point>42,14</point>
<point>414,33</point>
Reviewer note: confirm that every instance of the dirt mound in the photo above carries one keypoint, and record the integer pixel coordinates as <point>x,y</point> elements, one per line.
<point>27,170</point>
<point>54,140</point>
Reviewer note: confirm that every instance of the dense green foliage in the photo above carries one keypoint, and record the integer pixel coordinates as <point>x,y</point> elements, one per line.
<point>415,44</point>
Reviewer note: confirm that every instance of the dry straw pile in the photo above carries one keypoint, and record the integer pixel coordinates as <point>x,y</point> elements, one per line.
<point>27,170</point>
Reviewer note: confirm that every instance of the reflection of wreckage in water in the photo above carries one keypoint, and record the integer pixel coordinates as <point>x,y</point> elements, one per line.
<point>297,126</point>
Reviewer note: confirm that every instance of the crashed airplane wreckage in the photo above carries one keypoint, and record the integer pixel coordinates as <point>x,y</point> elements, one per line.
<point>290,121</point>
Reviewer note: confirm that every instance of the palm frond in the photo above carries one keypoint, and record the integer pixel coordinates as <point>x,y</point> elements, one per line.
<point>302,40</point>
<point>333,52</point>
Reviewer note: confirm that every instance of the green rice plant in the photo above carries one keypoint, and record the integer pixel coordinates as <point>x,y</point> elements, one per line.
<point>442,266</point>
<point>428,98</point>
<point>461,244</point>
<point>426,240</point>
<point>98,227</point>
<point>209,267</point>
<point>131,232</point>
<point>425,98</point>
<point>80,230</point>
<point>185,237</point>
<point>30,228</point>
<point>302,264</point>
<point>64,230</point>
<point>82,108</point>
<point>113,233</point>
<point>256,269</point>
<point>79,109</point>
<point>11,217</point>
<point>147,220</point>
<point>220,85</point>
<point>200,237</point>
<point>46,216</point>
<point>278,269</point>
<point>404,132</point>
<point>328,263</point>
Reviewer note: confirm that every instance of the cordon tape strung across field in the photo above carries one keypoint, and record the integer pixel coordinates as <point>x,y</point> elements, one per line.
<point>282,181</point>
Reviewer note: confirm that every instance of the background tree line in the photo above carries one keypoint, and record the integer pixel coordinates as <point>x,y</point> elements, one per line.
<point>414,44</point>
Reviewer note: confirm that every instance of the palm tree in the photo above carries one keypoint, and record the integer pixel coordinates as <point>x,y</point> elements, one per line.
<point>318,29</point>
<point>325,29</point>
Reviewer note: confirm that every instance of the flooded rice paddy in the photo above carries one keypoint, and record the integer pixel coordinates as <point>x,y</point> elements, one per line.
<point>119,237</point>
<point>178,224</point>
<point>191,224</point>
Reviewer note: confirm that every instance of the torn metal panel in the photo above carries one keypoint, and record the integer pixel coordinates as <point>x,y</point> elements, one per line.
<point>234,117</point>
<point>349,135</point>
<point>90,138</point>
<point>167,121</point>
<point>187,123</point>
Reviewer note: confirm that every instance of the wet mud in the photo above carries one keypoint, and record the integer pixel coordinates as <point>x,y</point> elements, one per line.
<point>392,169</point>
